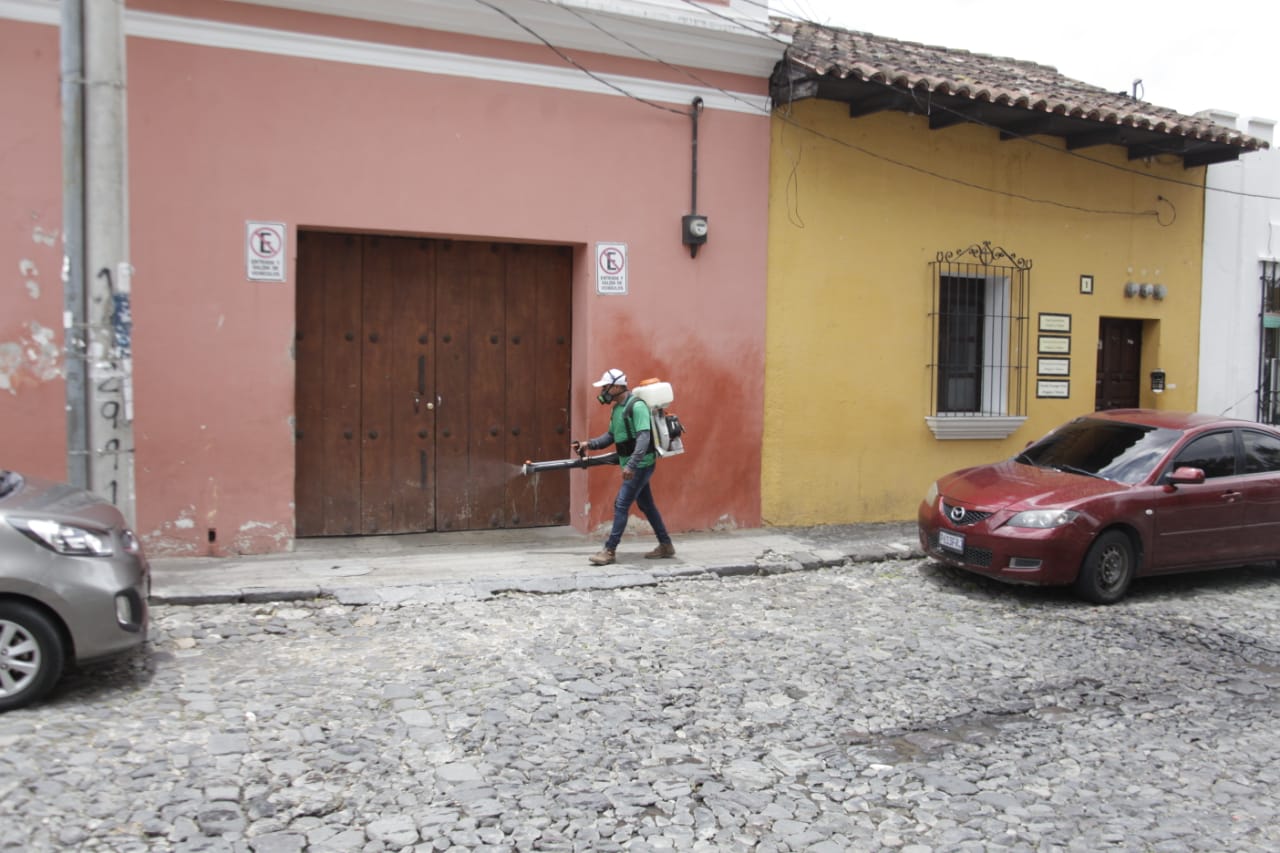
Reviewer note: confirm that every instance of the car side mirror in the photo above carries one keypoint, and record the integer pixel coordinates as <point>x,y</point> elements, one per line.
<point>1186,476</point>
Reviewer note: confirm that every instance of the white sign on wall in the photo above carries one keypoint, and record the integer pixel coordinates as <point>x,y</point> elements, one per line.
<point>611,268</point>
<point>264,257</point>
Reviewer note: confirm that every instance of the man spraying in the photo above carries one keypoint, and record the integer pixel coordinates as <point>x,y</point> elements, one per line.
<point>629,429</point>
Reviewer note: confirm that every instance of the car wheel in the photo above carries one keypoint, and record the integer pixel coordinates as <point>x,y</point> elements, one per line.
<point>1107,569</point>
<point>31,654</point>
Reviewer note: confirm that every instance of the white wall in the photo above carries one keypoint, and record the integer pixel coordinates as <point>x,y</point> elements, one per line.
<point>1240,231</point>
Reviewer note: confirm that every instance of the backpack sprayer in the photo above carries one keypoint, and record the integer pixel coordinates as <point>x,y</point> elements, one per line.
<point>667,431</point>
<point>581,461</point>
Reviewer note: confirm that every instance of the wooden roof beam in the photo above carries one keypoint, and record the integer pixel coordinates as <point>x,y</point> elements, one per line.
<point>1105,136</point>
<point>1207,157</point>
<point>950,116</point>
<point>1019,128</point>
<point>888,99</point>
<point>1154,148</point>
<point>788,84</point>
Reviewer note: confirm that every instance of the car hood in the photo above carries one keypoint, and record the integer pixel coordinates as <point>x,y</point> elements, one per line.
<point>45,498</point>
<point>1010,485</point>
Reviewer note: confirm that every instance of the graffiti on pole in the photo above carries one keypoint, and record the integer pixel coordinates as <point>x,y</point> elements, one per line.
<point>110,368</point>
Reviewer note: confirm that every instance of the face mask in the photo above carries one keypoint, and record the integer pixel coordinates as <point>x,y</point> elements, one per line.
<point>605,397</point>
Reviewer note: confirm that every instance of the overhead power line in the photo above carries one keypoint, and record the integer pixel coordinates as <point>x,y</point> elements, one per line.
<point>570,60</point>
<point>789,120</point>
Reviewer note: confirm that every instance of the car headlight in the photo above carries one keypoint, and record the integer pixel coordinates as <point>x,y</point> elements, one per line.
<point>130,542</point>
<point>65,539</point>
<point>1043,518</point>
<point>932,495</point>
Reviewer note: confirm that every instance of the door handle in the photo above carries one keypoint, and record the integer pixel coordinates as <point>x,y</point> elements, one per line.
<point>422,385</point>
<point>1231,497</point>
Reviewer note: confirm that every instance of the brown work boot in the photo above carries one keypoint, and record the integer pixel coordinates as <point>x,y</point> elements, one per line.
<point>604,558</point>
<point>664,550</point>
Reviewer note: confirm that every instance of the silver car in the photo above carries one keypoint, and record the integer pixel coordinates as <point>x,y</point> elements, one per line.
<point>73,584</point>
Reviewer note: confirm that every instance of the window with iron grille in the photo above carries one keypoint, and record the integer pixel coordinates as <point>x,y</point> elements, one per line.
<point>979,363</point>
<point>1269,346</point>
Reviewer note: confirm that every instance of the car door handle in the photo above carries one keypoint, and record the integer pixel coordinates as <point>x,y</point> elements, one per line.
<point>1231,497</point>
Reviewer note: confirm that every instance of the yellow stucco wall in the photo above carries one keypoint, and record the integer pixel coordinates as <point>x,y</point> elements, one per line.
<point>851,239</point>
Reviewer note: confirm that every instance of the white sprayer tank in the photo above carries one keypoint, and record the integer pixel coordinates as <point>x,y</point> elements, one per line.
<point>655,395</point>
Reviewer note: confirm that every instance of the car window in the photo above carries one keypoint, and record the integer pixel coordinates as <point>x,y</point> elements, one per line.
<point>1215,454</point>
<point>8,482</point>
<point>1124,452</point>
<point>1261,452</point>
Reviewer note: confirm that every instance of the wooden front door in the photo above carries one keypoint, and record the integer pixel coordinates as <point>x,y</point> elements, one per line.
<point>427,372</point>
<point>1119,380</point>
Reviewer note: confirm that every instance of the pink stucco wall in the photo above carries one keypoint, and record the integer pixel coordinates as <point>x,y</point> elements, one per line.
<point>32,393</point>
<point>218,137</point>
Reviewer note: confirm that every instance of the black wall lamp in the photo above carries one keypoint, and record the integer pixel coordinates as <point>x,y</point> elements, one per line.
<point>693,227</point>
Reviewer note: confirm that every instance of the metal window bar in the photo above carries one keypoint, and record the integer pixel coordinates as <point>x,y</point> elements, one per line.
<point>1269,345</point>
<point>979,322</point>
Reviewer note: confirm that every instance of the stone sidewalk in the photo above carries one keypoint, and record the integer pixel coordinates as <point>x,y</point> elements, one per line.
<point>478,565</point>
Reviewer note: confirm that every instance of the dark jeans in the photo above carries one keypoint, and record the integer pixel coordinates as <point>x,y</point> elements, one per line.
<point>636,491</point>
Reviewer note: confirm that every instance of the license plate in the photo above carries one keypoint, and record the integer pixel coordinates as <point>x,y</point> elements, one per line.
<point>949,541</point>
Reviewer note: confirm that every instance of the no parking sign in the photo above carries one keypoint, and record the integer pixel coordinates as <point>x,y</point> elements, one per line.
<point>611,268</point>
<point>264,251</point>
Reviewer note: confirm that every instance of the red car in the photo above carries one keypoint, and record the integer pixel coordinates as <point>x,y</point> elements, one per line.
<point>1113,496</point>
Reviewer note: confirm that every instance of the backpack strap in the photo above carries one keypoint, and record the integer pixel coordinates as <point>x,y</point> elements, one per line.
<point>629,447</point>
<point>626,417</point>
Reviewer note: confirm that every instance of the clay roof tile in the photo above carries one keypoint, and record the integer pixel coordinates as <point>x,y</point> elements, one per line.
<point>830,51</point>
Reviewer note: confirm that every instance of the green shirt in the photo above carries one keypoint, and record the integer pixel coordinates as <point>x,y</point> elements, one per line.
<point>639,424</point>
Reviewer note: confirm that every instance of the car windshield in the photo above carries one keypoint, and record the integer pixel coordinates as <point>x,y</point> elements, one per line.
<point>1126,453</point>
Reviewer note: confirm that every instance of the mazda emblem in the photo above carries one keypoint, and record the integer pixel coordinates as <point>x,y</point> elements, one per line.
<point>956,514</point>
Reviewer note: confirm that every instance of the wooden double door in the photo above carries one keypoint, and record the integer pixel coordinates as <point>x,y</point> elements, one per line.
<point>428,371</point>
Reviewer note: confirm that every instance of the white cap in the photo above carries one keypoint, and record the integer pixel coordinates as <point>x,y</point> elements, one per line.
<point>611,377</point>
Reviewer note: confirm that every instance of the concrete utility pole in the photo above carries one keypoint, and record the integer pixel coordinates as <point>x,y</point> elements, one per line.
<point>100,321</point>
<point>72,83</point>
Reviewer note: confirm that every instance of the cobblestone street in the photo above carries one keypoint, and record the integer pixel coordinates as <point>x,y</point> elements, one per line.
<point>894,705</point>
